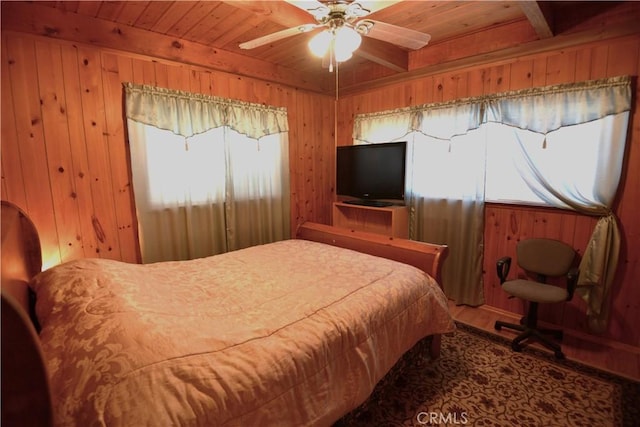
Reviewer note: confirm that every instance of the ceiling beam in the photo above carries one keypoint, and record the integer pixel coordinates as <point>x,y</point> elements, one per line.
<point>383,54</point>
<point>292,14</point>
<point>540,16</point>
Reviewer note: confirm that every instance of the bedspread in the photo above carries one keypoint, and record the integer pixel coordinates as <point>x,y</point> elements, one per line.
<point>289,333</point>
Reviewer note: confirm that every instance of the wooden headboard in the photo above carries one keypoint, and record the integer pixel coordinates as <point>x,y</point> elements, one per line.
<point>21,254</point>
<point>26,399</point>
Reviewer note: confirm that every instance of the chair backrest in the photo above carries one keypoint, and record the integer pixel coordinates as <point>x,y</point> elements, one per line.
<point>545,257</point>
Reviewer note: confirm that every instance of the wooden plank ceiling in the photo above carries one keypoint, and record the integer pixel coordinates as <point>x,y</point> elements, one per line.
<point>209,33</point>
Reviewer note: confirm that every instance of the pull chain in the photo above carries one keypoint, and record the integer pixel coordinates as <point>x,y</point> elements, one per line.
<point>337,85</point>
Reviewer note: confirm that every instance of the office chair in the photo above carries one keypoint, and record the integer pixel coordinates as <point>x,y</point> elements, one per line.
<point>540,258</point>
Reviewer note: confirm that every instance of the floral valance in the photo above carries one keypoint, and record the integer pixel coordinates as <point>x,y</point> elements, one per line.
<point>540,110</point>
<point>165,109</point>
<point>543,110</point>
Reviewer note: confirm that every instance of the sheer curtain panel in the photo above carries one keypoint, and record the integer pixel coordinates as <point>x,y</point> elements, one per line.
<point>445,184</point>
<point>209,174</point>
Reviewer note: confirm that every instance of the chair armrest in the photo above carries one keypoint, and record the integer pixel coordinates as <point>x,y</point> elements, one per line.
<point>572,281</point>
<point>503,265</point>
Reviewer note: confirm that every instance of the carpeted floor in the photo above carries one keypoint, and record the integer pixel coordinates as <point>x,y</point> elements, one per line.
<point>479,381</point>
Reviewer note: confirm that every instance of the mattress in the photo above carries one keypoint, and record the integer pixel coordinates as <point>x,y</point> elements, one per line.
<point>289,333</point>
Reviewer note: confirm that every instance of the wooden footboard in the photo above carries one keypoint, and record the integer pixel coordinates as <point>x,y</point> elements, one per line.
<point>428,257</point>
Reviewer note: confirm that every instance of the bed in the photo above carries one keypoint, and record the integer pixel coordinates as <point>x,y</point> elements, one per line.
<point>296,332</point>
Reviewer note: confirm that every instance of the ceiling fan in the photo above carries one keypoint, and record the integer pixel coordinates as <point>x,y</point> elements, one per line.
<point>343,25</point>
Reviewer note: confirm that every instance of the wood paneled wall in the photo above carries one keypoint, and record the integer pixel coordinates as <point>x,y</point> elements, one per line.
<point>505,225</point>
<point>65,155</point>
<point>65,158</point>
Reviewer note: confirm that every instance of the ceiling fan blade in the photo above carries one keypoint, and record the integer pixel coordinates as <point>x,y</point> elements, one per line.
<point>404,37</point>
<point>278,35</point>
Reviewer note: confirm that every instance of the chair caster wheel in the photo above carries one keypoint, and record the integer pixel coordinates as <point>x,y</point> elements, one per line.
<point>516,347</point>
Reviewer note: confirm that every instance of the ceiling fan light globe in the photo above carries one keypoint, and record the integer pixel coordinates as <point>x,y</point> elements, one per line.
<point>319,44</point>
<point>348,39</point>
<point>342,56</point>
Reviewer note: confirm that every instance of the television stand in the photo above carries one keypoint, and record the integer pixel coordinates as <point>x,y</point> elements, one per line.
<point>372,203</point>
<point>391,220</point>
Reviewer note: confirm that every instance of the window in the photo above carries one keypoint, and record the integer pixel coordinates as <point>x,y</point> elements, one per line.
<point>520,162</point>
<point>572,155</point>
<point>504,184</point>
<point>209,174</point>
<point>192,170</point>
<point>182,171</point>
<point>448,169</point>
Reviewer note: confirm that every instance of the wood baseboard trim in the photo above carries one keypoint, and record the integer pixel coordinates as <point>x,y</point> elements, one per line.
<point>583,336</point>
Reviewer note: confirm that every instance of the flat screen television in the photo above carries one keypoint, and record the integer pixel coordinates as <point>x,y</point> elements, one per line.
<point>372,174</point>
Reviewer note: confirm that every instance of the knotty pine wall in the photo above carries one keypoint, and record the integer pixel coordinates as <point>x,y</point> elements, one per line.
<point>65,158</point>
<point>505,224</point>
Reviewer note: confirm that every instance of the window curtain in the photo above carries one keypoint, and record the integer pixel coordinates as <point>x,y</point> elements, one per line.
<point>209,174</point>
<point>577,129</point>
<point>542,118</point>
<point>445,184</point>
